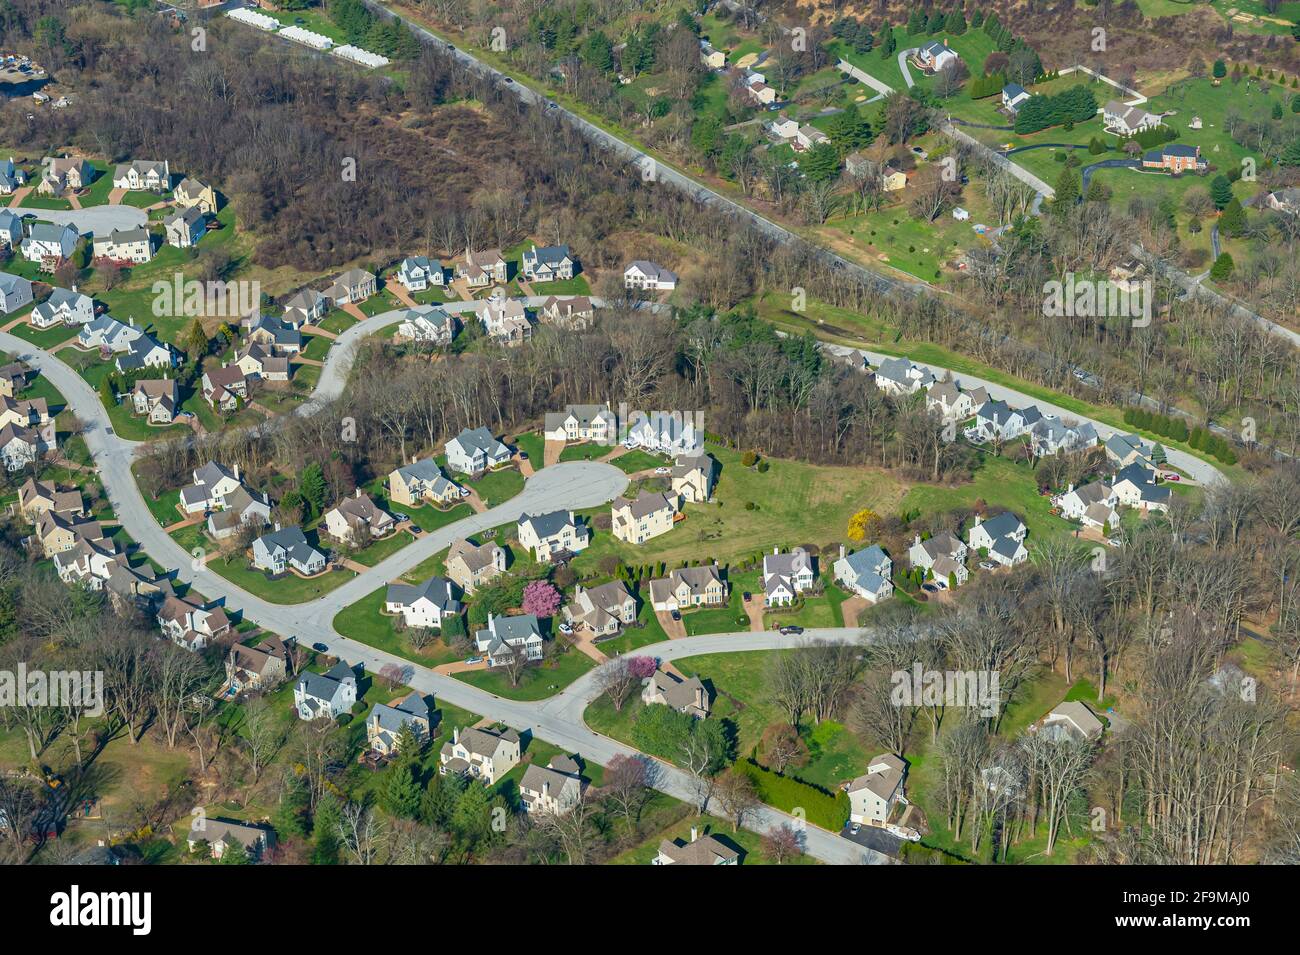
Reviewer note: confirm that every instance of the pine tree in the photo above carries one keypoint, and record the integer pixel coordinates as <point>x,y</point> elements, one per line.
<point>1233,220</point>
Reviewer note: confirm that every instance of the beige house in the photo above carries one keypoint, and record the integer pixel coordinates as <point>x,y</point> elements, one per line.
<point>471,565</point>
<point>594,423</point>
<point>1071,720</point>
<point>258,668</point>
<point>358,519</point>
<point>604,610</point>
<point>651,514</point>
<point>385,722</point>
<point>421,481</point>
<point>64,175</point>
<point>157,399</point>
<point>483,754</point>
<point>222,834</point>
<point>192,193</point>
<point>685,696</point>
<point>354,285</point>
<point>553,789</point>
<point>480,269</point>
<point>872,796</point>
<point>693,477</point>
<point>701,850</point>
<point>62,532</point>
<point>36,497</point>
<point>689,587</point>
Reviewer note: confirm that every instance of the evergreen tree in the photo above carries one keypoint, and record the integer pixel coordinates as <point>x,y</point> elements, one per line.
<point>1067,192</point>
<point>1220,191</point>
<point>1232,222</point>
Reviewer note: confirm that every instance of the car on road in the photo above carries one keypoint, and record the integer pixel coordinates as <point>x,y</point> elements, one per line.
<point>791,630</point>
<point>551,104</point>
<point>320,648</point>
<point>450,47</point>
<point>510,79</point>
<point>677,615</point>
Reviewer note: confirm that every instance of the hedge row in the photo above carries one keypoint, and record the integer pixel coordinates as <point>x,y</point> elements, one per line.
<point>788,793</point>
<point>1169,426</point>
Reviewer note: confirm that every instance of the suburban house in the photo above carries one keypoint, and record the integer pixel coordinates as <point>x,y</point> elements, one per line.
<point>573,312</point>
<point>61,532</point>
<point>156,398</point>
<point>475,450</point>
<point>554,788</point>
<point>480,269</point>
<point>418,272</point>
<point>552,535</point>
<point>358,519</point>
<point>1071,720</point>
<point>1052,436</point>
<point>287,549</point>
<point>255,362</point>
<point>701,850</point>
<point>711,57</point>
<point>36,497</point>
<point>222,834</point>
<point>64,175</point>
<point>354,285</point>
<point>144,351</point>
<point>935,55</point>
<point>1126,449</point>
<point>49,242</point>
<point>67,306</point>
<point>1124,120</point>
<point>422,605</point>
<point>325,695</point>
<point>14,377</point>
<point>1128,274</point>
<point>786,576</point>
<point>637,521</point>
<point>279,335</point>
<point>809,137</point>
<point>11,177</point>
<point>427,324</point>
<point>258,668</point>
<point>898,376</point>
<point>688,587</point>
<point>422,480</point>
<point>89,563</point>
<point>143,175</point>
<point>867,573</point>
<point>504,320</point>
<point>19,446</point>
<point>305,306</point>
<point>1135,486</point>
<point>212,483</point>
<point>872,796</point>
<point>693,477</point>
<point>604,610</point>
<point>997,421</point>
<point>663,432</point>
<point>685,696</point>
<point>1013,94</point>
<point>1001,537</point>
<point>385,723</point>
<point>241,506</point>
<point>124,245</point>
<point>483,754</point>
<point>1176,158</point>
<point>471,565</point>
<point>506,636</point>
<point>15,292</point>
<point>223,387</point>
<point>756,86</point>
<point>549,263</point>
<point>185,227</point>
<point>1279,200</point>
<point>785,129</point>
<point>942,556</point>
<point>191,625</point>
<point>191,192</point>
<point>1091,504</point>
<point>649,277</point>
<point>11,229</point>
<point>594,423</point>
<point>949,402</point>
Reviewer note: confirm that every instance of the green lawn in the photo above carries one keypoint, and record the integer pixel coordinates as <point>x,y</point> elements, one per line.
<point>748,843</point>
<point>574,286</point>
<point>532,444</point>
<point>378,550</point>
<point>497,487</point>
<point>538,682</point>
<point>633,638</point>
<point>364,621</point>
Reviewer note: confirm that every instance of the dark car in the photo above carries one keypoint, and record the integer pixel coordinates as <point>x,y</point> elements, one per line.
<point>677,615</point>
<point>792,630</point>
<point>510,79</point>
<point>523,455</point>
<point>320,648</point>
<point>450,47</point>
<point>748,596</point>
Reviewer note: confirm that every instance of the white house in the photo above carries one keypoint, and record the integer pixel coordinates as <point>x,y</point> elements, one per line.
<point>1013,95</point>
<point>949,402</point>
<point>482,754</point>
<point>867,573</point>
<point>786,576</point>
<point>548,263</point>
<point>1124,120</point>
<point>663,432</point>
<point>143,174</point>
<point>547,536</point>
<point>1001,537</point>
<point>872,796</point>
<point>504,637</point>
<point>594,423</point>
<point>325,695</point>
<point>287,549</point>
<point>427,324</point>
<point>418,272</point>
<point>124,245</point>
<point>649,277</point>
<point>1136,486</point>
<point>475,450</point>
<point>45,240</point>
<point>898,376</point>
<point>68,307</point>
<point>422,605</point>
<point>942,556</point>
<point>934,56</point>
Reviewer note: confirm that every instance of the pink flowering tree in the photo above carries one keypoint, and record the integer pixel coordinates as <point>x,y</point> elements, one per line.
<point>541,598</point>
<point>642,667</point>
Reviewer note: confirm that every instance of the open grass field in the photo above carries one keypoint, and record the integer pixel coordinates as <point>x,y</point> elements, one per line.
<point>365,621</point>
<point>537,683</point>
<point>794,503</point>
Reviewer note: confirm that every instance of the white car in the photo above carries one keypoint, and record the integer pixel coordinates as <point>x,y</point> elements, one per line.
<point>565,628</point>
<point>662,470</point>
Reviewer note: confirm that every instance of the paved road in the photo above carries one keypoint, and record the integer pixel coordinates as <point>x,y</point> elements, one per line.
<point>99,220</point>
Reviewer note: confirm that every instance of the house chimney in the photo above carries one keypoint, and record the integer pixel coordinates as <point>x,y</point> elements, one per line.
<point>1069,488</point>
<point>455,735</point>
<point>978,519</point>
<point>842,552</point>
<point>695,834</point>
<point>236,472</point>
<point>916,540</point>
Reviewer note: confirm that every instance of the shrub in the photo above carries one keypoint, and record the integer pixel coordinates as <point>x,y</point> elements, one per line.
<point>826,809</point>
<point>748,459</point>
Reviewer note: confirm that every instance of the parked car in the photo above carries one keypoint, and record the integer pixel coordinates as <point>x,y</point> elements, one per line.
<point>988,565</point>
<point>1115,541</point>
<point>473,660</point>
<point>930,588</point>
<point>748,596</point>
<point>523,455</point>
<point>565,628</point>
<point>464,492</point>
<point>1169,476</point>
<point>662,470</point>
<point>677,615</point>
<point>320,648</point>
<point>857,827</point>
<point>791,630</point>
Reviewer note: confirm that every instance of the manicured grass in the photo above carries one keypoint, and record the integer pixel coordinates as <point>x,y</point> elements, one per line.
<point>721,619</point>
<point>497,487</point>
<point>634,461</point>
<point>45,338</point>
<point>426,517</point>
<point>316,347</point>
<point>584,452</point>
<point>750,844</point>
<point>633,638</point>
<point>538,682</point>
<point>385,547</point>
<point>337,321</point>
<point>574,286</point>
<point>794,503</point>
<point>532,444</point>
<point>364,621</point>
<point>820,611</point>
